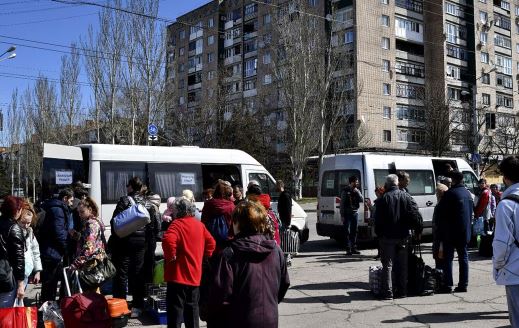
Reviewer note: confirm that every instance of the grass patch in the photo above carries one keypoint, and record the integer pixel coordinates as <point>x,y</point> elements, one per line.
<point>307,200</point>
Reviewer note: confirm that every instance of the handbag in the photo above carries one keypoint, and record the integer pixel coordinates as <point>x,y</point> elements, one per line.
<point>7,282</point>
<point>19,316</point>
<point>131,219</point>
<point>289,241</point>
<point>95,276</point>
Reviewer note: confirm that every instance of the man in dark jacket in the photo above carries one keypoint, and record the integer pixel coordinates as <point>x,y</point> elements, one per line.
<point>53,241</point>
<point>395,216</point>
<point>351,198</point>
<point>284,204</point>
<point>455,214</point>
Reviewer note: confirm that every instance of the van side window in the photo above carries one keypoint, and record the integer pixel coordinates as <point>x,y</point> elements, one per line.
<point>212,172</point>
<point>422,182</point>
<point>380,177</point>
<point>334,181</point>
<point>49,187</point>
<point>470,180</point>
<point>267,185</point>
<point>170,179</point>
<point>115,176</point>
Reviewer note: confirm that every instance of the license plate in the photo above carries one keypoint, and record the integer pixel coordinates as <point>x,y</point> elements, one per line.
<point>327,216</point>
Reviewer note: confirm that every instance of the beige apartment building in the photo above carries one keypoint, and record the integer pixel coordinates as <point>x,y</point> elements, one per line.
<point>395,49</point>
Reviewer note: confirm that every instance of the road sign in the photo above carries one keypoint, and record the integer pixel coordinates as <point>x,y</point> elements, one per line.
<point>476,158</point>
<point>152,130</point>
<point>152,138</point>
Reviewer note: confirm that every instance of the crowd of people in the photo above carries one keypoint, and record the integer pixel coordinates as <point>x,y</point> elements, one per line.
<point>224,264</point>
<point>231,249</point>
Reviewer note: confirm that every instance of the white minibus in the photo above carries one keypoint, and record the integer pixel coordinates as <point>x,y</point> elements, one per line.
<point>166,171</point>
<point>372,169</point>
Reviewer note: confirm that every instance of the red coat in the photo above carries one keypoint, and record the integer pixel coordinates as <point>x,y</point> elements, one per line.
<point>185,244</point>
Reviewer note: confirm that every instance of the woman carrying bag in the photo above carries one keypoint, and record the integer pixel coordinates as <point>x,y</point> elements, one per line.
<point>91,260</point>
<point>12,248</point>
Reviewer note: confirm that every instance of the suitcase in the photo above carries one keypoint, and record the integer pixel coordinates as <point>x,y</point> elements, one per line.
<point>131,219</point>
<point>84,310</point>
<point>117,307</point>
<point>375,279</point>
<point>289,241</point>
<point>485,244</point>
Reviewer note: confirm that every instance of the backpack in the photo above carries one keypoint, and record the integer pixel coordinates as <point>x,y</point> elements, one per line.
<point>514,198</point>
<point>218,228</point>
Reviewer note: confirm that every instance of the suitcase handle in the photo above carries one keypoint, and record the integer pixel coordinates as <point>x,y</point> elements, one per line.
<point>65,279</point>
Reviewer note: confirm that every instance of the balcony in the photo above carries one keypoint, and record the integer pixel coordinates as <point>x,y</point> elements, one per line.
<point>229,24</point>
<point>196,35</point>
<point>413,5</point>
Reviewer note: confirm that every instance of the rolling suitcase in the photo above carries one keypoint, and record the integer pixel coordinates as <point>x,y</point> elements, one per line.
<point>84,310</point>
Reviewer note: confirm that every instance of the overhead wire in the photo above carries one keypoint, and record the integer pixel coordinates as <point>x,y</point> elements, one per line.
<point>47,20</point>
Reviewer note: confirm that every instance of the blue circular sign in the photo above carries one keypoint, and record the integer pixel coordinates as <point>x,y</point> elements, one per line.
<point>153,130</point>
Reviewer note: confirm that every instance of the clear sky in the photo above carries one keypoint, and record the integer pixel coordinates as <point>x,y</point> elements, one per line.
<point>51,23</point>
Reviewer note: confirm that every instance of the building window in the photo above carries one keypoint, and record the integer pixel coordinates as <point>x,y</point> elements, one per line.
<point>410,68</point>
<point>453,9</point>
<point>182,34</point>
<point>411,91</point>
<point>456,52</point>
<point>210,57</point>
<point>411,135</point>
<point>453,93</point>
<point>251,8</point>
<point>387,135</point>
<point>210,40</point>
<point>267,79</point>
<point>210,22</point>
<point>385,43</point>
<point>211,75</point>
<point>405,113</point>
<point>267,19</point>
<point>483,17</point>
<point>485,78</point>
<point>384,2</point>
<point>386,65</point>
<point>385,20</point>
<point>502,41</point>
<point>386,112</point>
<point>453,72</point>
<point>312,3</point>
<point>483,37</point>
<point>517,48</point>
<point>181,84</point>
<point>181,68</point>
<point>455,32</point>
<point>249,85</point>
<point>266,58</point>
<point>484,57</point>
<point>502,21</point>
<point>349,37</point>
<point>250,67</point>
<point>505,63</point>
<point>504,81</point>
<point>505,5</point>
<point>505,101</point>
<point>386,89</point>
<point>485,98</point>
<point>181,51</point>
<point>490,121</point>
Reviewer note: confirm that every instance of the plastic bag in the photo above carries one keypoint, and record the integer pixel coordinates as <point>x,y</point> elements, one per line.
<point>52,313</point>
<point>19,316</point>
<point>158,273</point>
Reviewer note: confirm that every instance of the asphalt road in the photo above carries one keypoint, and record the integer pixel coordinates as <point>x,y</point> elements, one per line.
<point>330,289</point>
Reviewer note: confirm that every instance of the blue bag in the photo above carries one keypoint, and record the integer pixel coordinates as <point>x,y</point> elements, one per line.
<point>219,229</point>
<point>478,226</point>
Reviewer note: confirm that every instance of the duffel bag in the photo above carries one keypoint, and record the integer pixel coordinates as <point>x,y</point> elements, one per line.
<point>131,219</point>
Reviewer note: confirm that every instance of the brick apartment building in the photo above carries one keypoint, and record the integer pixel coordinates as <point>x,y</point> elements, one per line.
<point>468,48</point>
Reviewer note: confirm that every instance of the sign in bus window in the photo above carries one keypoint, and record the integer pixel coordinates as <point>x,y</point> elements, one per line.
<point>187,178</point>
<point>64,177</point>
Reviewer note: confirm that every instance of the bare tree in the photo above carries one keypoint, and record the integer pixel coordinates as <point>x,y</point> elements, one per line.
<point>70,101</point>
<point>92,59</point>
<point>313,89</point>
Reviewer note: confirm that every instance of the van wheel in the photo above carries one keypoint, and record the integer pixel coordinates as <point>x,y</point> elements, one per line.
<point>304,235</point>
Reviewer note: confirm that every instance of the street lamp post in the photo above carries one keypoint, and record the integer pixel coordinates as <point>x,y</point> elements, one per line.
<point>10,50</point>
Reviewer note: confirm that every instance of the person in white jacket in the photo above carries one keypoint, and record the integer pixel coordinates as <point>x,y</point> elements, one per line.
<point>506,245</point>
<point>32,249</point>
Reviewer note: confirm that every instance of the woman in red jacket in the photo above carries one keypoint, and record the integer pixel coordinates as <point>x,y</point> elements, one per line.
<point>185,244</point>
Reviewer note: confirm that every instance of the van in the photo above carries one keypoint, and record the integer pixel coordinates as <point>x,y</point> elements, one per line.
<point>372,169</point>
<point>165,170</point>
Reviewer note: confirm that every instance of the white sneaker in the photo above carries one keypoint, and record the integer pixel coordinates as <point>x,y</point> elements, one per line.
<point>136,313</point>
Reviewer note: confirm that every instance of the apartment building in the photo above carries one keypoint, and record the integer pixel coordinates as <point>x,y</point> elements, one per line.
<point>394,50</point>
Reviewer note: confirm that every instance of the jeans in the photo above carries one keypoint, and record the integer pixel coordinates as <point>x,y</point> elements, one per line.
<point>350,227</point>
<point>182,305</point>
<point>7,299</point>
<point>128,258</point>
<point>394,255</point>
<point>512,298</point>
<point>463,259</point>
<point>50,276</point>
